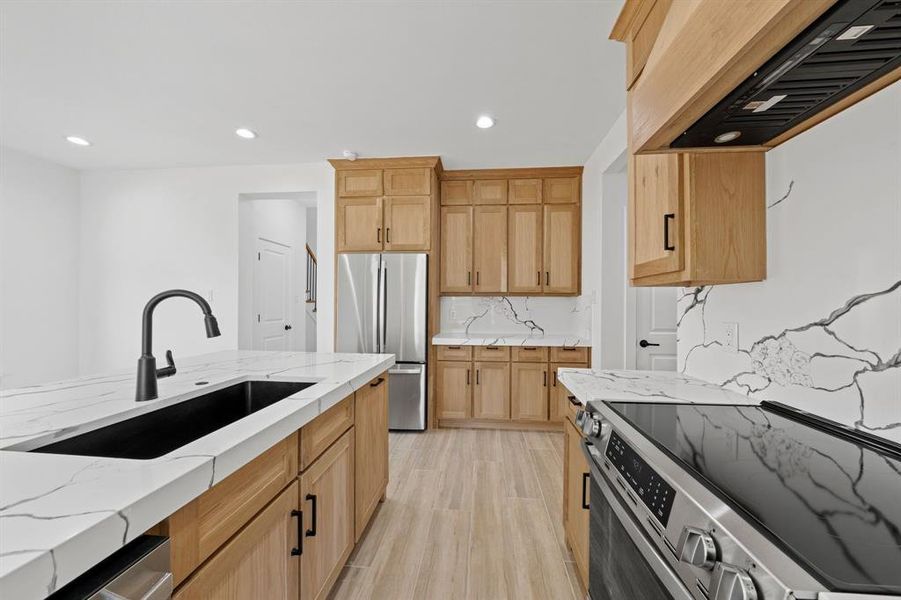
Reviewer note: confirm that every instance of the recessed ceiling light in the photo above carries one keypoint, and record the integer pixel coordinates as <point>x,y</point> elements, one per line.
<point>78,141</point>
<point>727,137</point>
<point>245,133</point>
<point>484,122</point>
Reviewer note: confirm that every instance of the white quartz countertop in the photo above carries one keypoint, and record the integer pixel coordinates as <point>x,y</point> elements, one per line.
<point>589,385</point>
<point>60,515</point>
<point>508,339</point>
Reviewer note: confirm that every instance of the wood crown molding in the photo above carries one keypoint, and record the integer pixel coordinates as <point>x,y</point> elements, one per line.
<point>633,13</point>
<point>526,173</point>
<point>403,162</point>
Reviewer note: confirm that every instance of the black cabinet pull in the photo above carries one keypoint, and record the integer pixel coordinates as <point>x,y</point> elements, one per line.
<point>312,531</point>
<point>478,278</point>
<point>645,344</point>
<point>299,550</point>
<point>573,401</point>
<point>378,235</point>
<point>455,347</point>
<point>468,277</point>
<point>545,379</point>
<point>388,235</point>
<point>467,376</point>
<point>666,219</point>
<point>555,378</point>
<point>377,383</point>
<point>585,477</point>
<point>547,278</point>
<point>538,282</point>
<point>477,377</point>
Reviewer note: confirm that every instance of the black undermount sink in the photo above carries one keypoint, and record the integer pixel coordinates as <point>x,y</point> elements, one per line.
<point>159,432</point>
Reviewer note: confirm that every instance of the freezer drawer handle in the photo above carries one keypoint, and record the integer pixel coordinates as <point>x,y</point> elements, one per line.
<point>377,382</point>
<point>404,372</point>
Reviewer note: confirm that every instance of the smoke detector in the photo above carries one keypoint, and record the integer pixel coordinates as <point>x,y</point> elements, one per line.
<point>350,155</point>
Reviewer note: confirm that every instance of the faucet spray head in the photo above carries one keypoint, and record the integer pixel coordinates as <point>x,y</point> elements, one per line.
<point>212,326</point>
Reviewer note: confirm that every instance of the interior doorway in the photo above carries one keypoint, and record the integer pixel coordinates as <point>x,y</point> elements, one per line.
<point>276,271</point>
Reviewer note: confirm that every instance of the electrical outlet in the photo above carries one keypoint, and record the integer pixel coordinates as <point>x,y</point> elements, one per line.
<point>730,337</point>
<point>453,314</point>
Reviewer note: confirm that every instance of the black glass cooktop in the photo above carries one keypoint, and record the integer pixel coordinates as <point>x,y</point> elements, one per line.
<point>832,501</point>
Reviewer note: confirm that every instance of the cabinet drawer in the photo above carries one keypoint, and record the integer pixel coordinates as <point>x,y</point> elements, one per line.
<point>408,182</point>
<point>454,352</point>
<point>497,353</point>
<point>570,355</point>
<point>319,434</point>
<point>573,406</point>
<point>529,354</point>
<point>364,182</point>
<point>200,527</point>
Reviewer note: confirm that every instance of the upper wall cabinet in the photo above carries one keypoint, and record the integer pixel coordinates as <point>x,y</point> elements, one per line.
<point>521,236</point>
<point>761,71</point>
<point>388,204</point>
<point>697,218</point>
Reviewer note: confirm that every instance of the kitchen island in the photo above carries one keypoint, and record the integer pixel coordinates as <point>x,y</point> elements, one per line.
<point>62,514</point>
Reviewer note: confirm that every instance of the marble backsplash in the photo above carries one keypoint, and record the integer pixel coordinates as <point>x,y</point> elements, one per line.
<point>823,331</point>
<point>534,315</point>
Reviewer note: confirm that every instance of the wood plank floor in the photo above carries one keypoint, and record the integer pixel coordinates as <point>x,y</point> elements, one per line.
<point>469,514</point>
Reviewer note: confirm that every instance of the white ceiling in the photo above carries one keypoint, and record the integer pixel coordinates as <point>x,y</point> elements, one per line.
<point>160,84</point>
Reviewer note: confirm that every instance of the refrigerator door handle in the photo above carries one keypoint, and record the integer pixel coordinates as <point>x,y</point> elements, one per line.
<point>385,307</point>
<point>377,302</point>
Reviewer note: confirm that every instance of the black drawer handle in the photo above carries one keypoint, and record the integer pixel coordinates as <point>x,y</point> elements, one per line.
<point>378,235</point>
<point>377,383</point>
<point>388,235</point>
<point>454,347</point>
<point>585,477</point>
<point>555,378</point>
<point>545,379</point>
<point>477,377</point>
<point>299,514</point>
<point>565,349</point>
<point>312,531</point>
<point>666,219</point>
<point>529,349</point>
<point>573,401</point>
<point>467,376</point>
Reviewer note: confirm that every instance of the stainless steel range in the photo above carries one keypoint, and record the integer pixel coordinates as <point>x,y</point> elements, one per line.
<point>729,502</point>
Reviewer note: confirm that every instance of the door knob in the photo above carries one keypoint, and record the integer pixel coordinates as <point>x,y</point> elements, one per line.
<point>288,328</point>
<point>645,344</point>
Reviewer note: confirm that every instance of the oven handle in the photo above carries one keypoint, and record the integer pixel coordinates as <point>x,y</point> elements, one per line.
<point>661,568</point>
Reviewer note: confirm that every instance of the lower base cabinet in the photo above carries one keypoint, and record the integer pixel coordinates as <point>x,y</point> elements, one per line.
<point>576,491</point>
<point>327,509</point>
<point>371,450</point>
<point>258,562</point>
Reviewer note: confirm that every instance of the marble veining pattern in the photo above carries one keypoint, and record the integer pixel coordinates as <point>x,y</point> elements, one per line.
<point>506,339</point>
<point>60,515</point>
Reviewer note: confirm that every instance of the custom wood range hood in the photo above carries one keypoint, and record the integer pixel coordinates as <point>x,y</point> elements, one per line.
<point>750,73</point>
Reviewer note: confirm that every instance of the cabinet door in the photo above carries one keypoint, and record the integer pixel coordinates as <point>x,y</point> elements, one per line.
<point>257,562</point>
<point>491,395</point>
<point>327,503</point>
<point>408,182</point>
<point>489,191</point>
<point>454,386</point>
<point>524,191</point>
<point>576,490</point>
<point>528,391</point>
<point>524,249</point>
<point>456,249</point>
<point>456,193</point>
<point>407,222</point>
<point>365,182</point>
<point>562,246</point>
<point>558,397</point>
<point>655,214</point>
<point>562,190</point>
<point>370,449</point>
<point>490,248</point>
<point>358,224</point>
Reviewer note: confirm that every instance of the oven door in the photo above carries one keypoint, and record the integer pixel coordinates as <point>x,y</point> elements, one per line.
<point>623,562</point>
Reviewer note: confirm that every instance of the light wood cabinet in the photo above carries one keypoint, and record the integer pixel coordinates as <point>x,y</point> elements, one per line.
<point>562,248</point>
<point>491,394</point>
<point>697,219</point>
<point>455,353</point>
<point>370,449</point>
<point>407,223</point>
<point>257,563</point>
<point>327,505</point>
<point>529,391</point>
<point>358,224</point>
<point>524,191</point>
<point>456,249</point>
<point>570,354</point>
<point>360,183</point>
<point>322,432</point>
<point>456,193</point>
<point>408,182</point>
<point>525,249</point>
<point>490,249</point>
<point>558,395</point>
<point>491,353</point>
<point>529,354</point>
<point>454,387</point>
<point>576,499</point>
<point>489,191</point>
<point>562,190</point>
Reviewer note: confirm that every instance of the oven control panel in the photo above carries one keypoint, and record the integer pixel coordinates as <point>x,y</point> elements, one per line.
<point>656,494</point>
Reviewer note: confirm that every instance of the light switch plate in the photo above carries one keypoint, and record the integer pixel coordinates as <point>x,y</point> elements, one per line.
<point>730,337</point>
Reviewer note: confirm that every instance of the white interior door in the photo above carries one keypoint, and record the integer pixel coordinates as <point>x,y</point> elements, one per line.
<point>655,328</point>
<point>271,300</point>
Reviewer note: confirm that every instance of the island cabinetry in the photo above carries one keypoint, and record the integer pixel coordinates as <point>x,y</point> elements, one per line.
<point>371,465</point>
<point>576,498</point>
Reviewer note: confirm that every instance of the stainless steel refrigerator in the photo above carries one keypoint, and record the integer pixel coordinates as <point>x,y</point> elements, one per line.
<point>382,305</point>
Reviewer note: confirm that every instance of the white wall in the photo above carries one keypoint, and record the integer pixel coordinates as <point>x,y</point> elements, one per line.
<point>39,234</point>
<point>144,231</point>
<point>823,332</point>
